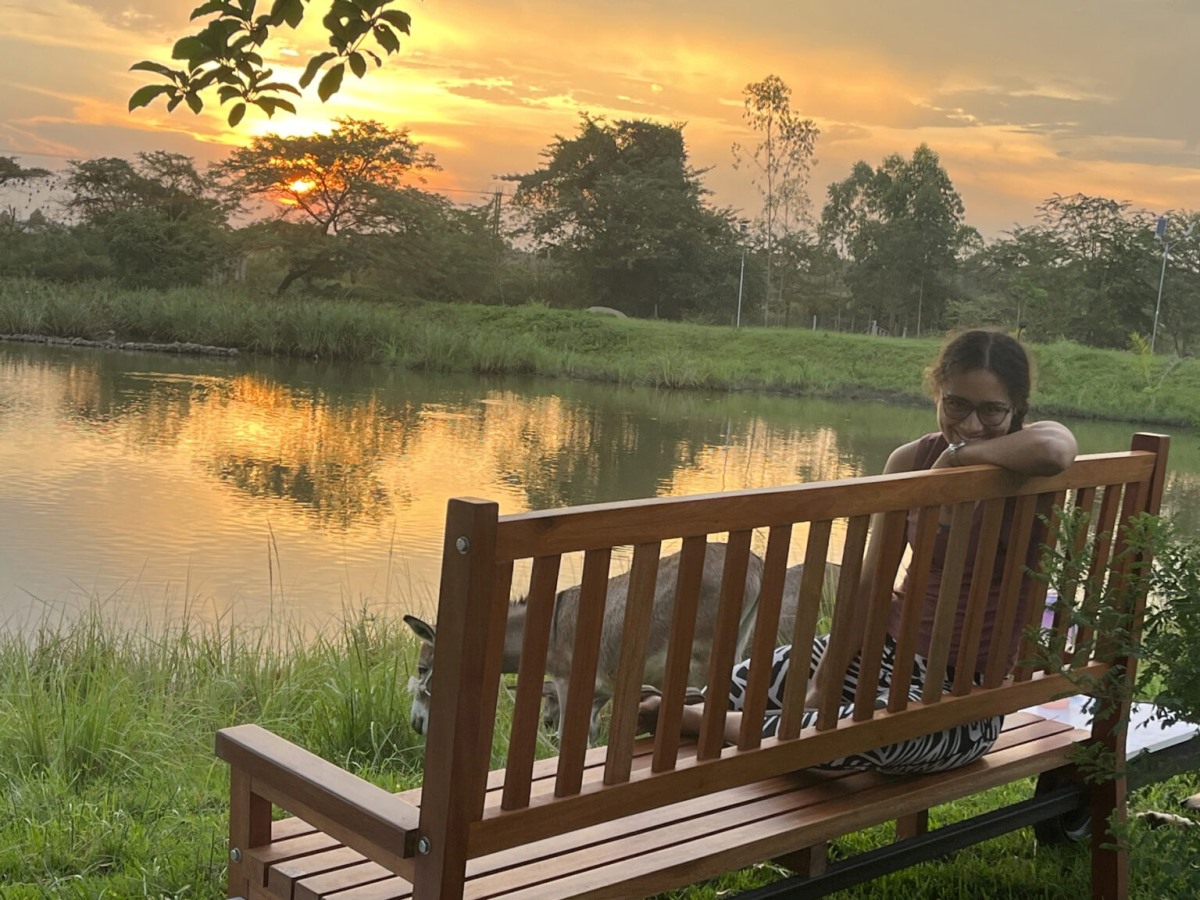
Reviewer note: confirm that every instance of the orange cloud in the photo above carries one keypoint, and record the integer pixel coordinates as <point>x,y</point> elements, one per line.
<point>1015,110</point>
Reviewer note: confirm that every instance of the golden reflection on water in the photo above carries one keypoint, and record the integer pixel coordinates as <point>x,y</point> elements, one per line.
<point>267,440</point>
<point>169,483</point>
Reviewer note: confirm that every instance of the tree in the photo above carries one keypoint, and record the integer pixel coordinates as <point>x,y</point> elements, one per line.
<point>225,55</point>
<point>332,180</point>
<point>11,172</point>
<point>782,161</point>
<point>620,205</point>
<point>1110,272</point>
<point>814,286</point>
<point>160,221</point>
<point>901,227</point>
<point>420,245</point>
<point>165,182</point>
<point>340,186</point>
<point>1014,283</point>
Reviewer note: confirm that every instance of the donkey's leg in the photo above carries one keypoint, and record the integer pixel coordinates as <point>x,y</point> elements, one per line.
<point>598,701</point>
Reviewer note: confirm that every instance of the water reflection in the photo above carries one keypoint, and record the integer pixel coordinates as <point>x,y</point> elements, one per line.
<point>230,485</point>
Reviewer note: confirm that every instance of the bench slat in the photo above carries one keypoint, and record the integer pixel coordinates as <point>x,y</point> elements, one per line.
<point>809,605</point>
<point>635,637</point>
<point>839,652</point>
<point>982,570</point>
<point>589,626</point>
<point>725,640</point>
<point>766,625</point>
<point>263,859</point>
<point>957,544</point>
<point>728,848</point>
<point>1026,656</point>
<point>1008,605</point>
<point>283,878</point>
<point>892,528</point>
<point>1085,504</point>
<point>1097,578</point>
<point>317,886</point>
<point>624,840</point>
<point>539,614</point>
<point>910,613</point>
<point>544,532</point>
<point>692,778</point>
<point>679,651</point>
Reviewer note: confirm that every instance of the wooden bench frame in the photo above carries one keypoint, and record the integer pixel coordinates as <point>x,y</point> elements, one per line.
<point>643,815</point>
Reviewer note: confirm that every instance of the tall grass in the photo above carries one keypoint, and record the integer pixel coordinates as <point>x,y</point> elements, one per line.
<point>109,786</point>
<point>1129,385</point>
<point>109,783</point>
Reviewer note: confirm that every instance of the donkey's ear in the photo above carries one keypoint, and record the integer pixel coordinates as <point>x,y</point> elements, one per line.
<point>420,628</point>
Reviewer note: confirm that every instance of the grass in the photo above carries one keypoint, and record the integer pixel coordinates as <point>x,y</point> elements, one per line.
<point>108,784</point>
<point>533,339</point>
<point>109,788</point>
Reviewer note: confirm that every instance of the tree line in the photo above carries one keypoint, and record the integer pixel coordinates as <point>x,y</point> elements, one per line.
<point>615,215</point>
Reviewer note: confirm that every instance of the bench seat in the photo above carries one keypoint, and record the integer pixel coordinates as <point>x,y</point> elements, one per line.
<point>671,846</point>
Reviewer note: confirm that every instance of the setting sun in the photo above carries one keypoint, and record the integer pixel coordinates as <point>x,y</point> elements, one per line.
<point>301,186</point>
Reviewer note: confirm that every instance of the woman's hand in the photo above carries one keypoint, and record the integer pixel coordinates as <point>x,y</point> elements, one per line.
<point>812,699</point>
<point>647,720</point>
<point>693,714</point>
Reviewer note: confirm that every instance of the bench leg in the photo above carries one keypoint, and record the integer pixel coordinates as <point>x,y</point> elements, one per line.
<point>809,862</point>
<point>912,825</point>
<point>1110,855</point>
<point>249,826</point>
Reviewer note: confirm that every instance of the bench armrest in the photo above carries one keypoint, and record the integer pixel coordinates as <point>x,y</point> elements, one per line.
<point>366,818</point>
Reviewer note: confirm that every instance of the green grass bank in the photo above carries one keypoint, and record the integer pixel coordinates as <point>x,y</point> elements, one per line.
<point>109,786</point>
<point>1072,380</point>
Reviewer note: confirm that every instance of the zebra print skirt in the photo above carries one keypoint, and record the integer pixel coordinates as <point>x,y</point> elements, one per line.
<point>936,752</point>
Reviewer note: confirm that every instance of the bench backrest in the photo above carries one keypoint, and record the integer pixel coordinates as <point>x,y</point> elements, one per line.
<point>812,521</point>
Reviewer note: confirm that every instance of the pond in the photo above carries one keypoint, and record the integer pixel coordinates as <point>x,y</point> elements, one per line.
<point>160,485</point>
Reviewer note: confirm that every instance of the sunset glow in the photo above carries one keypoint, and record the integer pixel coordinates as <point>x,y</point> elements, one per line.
<point>1021,100</point>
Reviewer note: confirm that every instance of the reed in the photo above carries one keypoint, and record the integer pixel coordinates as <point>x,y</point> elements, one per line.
<point>110,786</point>
<point>1127,385</point>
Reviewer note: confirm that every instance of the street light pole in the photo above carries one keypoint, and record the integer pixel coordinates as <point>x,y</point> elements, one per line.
<point>741,281</point>
<point>1161,278</point>
<point>741,274</point>
<point>1161,233</point>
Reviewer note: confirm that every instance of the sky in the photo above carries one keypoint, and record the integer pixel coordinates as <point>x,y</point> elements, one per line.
<point>1021,100</point>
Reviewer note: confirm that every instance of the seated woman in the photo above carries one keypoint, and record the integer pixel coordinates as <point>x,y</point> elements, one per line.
<point>981,384</point>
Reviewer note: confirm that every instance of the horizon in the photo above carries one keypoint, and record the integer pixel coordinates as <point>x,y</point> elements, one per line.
<point>1020,102</point>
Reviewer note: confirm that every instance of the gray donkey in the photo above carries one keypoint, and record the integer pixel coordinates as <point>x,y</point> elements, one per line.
<point>562,636</point>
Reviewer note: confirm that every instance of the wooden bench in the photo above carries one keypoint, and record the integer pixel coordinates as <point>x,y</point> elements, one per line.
<point>643,815</point>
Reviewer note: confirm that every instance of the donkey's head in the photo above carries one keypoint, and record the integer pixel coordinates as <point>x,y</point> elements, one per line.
<point>418,685</point>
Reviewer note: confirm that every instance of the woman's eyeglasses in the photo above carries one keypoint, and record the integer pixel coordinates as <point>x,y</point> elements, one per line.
<point>989,412</point>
